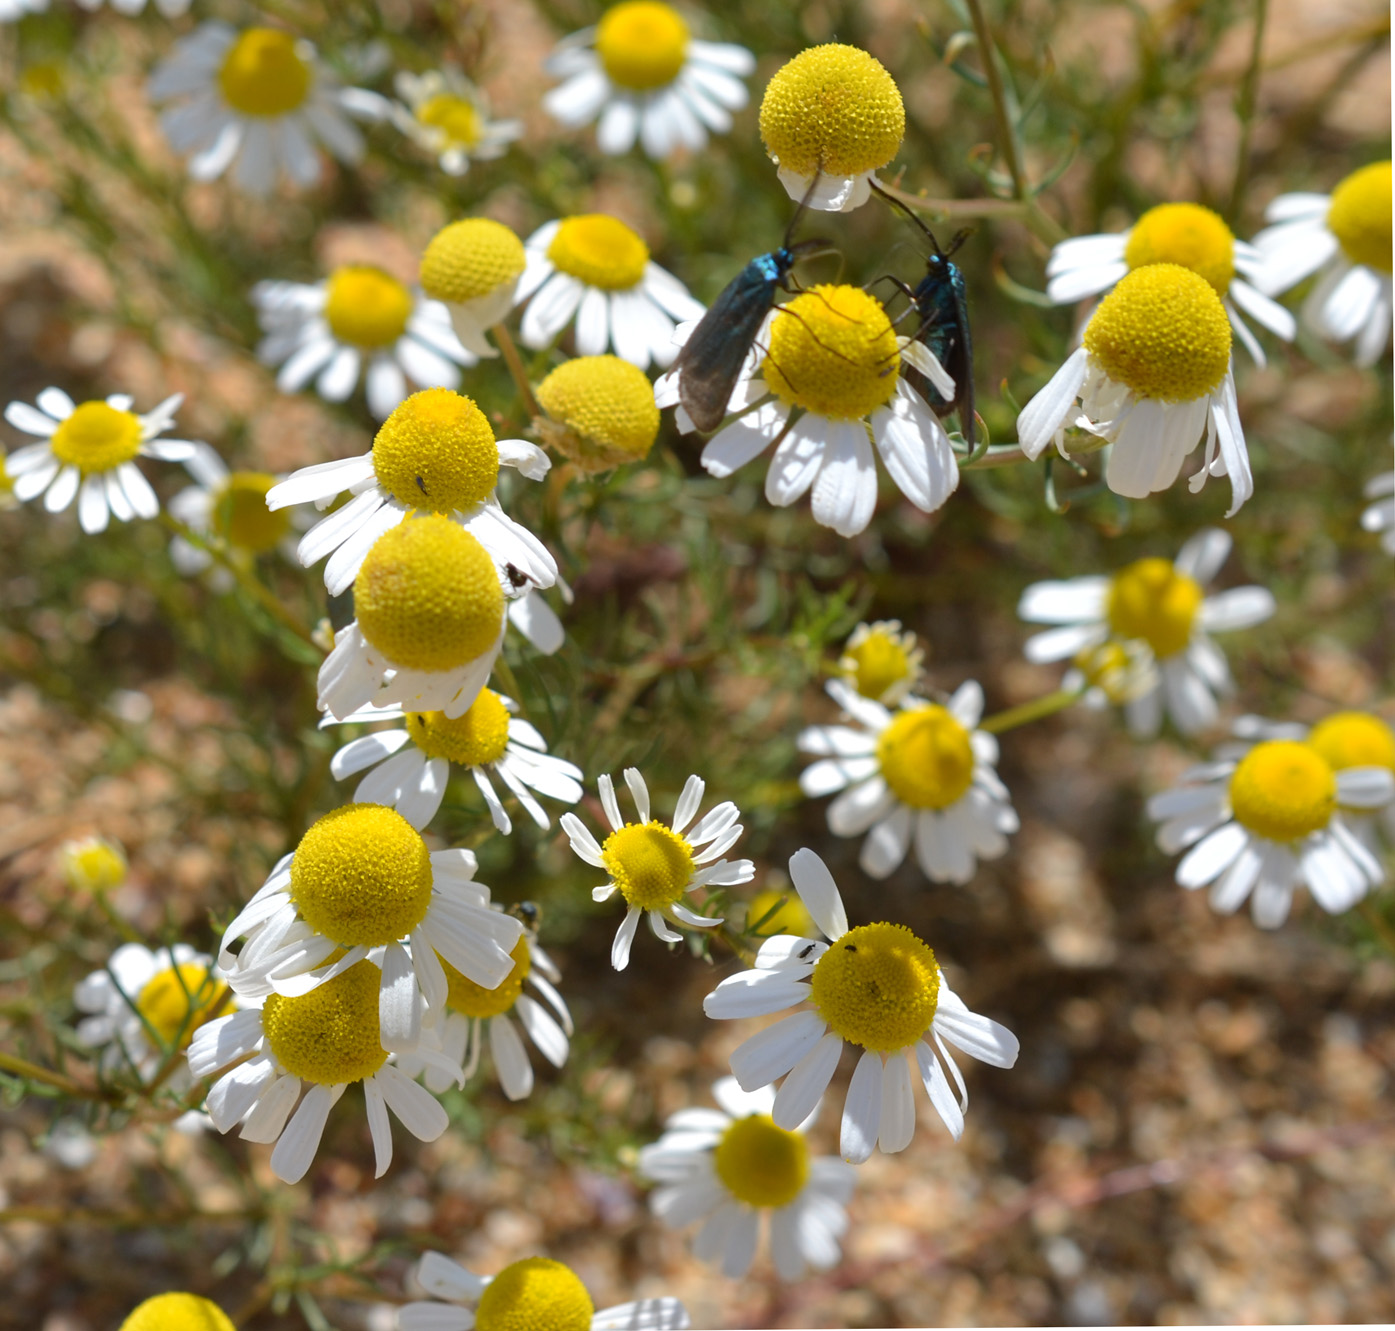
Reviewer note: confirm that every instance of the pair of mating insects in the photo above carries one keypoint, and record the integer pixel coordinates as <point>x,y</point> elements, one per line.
<point>710,362</point>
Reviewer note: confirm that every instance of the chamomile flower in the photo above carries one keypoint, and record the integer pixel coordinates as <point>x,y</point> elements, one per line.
<point>177,1312</point>
<point>409,768</point>
<point>1112,673</point>
<point>88,453</point>
<point>596,270</point>
<point>831,118</point>
<point>652,866</point>
<point>823,379</point>
<point>1261,823</point>
<point>360,321</point>
<point>877,987</point>
<point>448,116</point>
<point>600,412</point>
<point>1344,237</point>
<point>1381,515</point>
<point>882,662</point>
<point>473,268</point>
<point>641,71</point>
<point>1153,377</point>
<point>731,1166</point>
<point>256,100</point>
<point>319,1042</point>
<point>1180,233</point>
<point>1160,605</point>
<point>362,884</point>
<point>92,864</point>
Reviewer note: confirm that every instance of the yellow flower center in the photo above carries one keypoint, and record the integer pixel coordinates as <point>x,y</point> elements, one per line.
<point>428,596</point>
<point>1150,600</point>
<point>641,45</point>
<point>1108,666</point>
<point>93,865</point>
<point>926,757</point>
<point>1186,234</point>
<point>474,1000</point>
<point>454,116</point>
<point>437,451</point>
<point>1162,332</point>
<point>469,259</point>
<point>366,307</point>
<point>361,876</point>
<point>833,352</point>
<point>97,437</point>
<point>179,999</point>
<point>761,1164</point>
<point>1283,790</point>
<point>1354,739</point>
<point>877,987</point>
<point>878,662</point>
<point>1359,216</point>
<point>832,108</point>
<point>772,912</point>
<point>472,740</point>
<point>600,251</point>
<point>650,864</point>
<point>263,74</point>
<point>42,79</point>
<point>329,1035</point>
<point>535,1294</point>
<point>605,408</point>
<point>240,514</point>
<point>177,1312</point>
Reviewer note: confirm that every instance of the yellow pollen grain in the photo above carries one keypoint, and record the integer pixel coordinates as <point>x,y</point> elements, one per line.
<point>1354,739</point>
<point>474,1000</point>
<point>601,411</point>
<point>926,757</point>
<point>455,117</point>
<point>437,451</point>
<point>878,663</point>
<point>1185,234</point>
<point>1359,216</point>
<point>877,987</point>
<point>535,1294</point>
<point>474,739</point>
<point>772,912</point>
<point>760,1163</point>
<point>649,863</point>
<point>263,74</point>
<point>641,45</point>
<point>330,1035</point>
<point>177,1312</point>
<point>470,259</point>
<point>240,515</point>
<point>600,251</point>
<point>1152,601</point>
<point>1283,790</point>
<point>179,999</point>
<point>96,438</point>
<point>366,307</point>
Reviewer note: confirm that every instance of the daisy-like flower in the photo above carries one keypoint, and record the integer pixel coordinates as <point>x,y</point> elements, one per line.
<point>258,98</point>
<point>448,116</point>
<point>362,884</point>
<point>1153,377</point>
<point>824,385</point>
<point>922,773</point>
<point>409,768</point>
<point>535,1292</point>
<point>1180,233</point>
<point>1261,823</point>
<point>326,331</point>
<point>600,412</point>
<point>88,453</point>
<point>881,662</point>
<point>728,1167</point>
<point>473,268</point>
<point>597,270</point>
<point>92,864</point>
<point>177,1312</point>
<point>833,112</point>
<point>1161,605</point>
<point>319,1042</point>
<point>652,866</point>
<point>878,987</point>
<point>641,71</point>
<point>1112,673</point>
<point>1381,515</point>
<point>1344,237</point>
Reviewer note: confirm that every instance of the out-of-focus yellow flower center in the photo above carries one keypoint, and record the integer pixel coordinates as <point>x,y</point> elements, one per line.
<point>179,999</point>
<point>469,259</point>
<point>1162,332</point>
<point>240,515</point>
<point>877,987</point>
<point>97,437</point>
<point>366,307</point>
<point>1359,216</point>
<point>478,737</point>
<point>329,1035</point>
<point>535,1294</point>
<point>263,74</point>
<point>606,408</point>
<point>437,451</point>
<point>1109,667</point>
<point>650,864</point>
<point>926,757</point>
<point>93,865</point>
<point>1283,790</point>
<point>456,118</point>
<point>1354,739</point>
<point>177,1312</point>
<point>43,79</point>
<point>600,251</point>
<point>1151,600</point>
<point>641,45</point>
<point>832,108</point>
<point>879,660</point>
<point>761,1164</point>
<point>772,912</point>
<point>474,1000</point>
<point>1185,234</point>
<point>361,876</point>
<point>833,352</point>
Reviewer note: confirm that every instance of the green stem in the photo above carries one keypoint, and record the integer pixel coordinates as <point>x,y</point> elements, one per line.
<point>22,1067</point>
<point>515,363</point>
<point>1030,711</point>
<point>1006,129</point>
<point>1245,110</point>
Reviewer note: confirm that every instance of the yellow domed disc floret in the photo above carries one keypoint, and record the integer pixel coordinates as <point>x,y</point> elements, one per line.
<point>641,45</point>
<point>1162,332</point>
<point>455,117</point>
<point>470,259</point>
<point>1359,216</point>
<point>1283,790</point>
<point>330,1035</point>
<point>600,251</point>
<point>1185,234</point>
<point>877,987</point>
<point>535,1294</point>
<point>176,1001</point>
<point>772,912</point>
<point>1354,739</point>
<point>177,1312</point>
<point>366,307</point>
<point>602,411</point>
<point>97,437</point>
<point>832,108</point>
<point>1151,600</point>
<point>878,660</point>
<point>361,876</point>
<point>263,74</point>
<point>240,515</point>
<point>649,863</point>
<point>437,451</point>
<point>833,351</point>
<point>926,757</point>
<point>474,1000</point>
<point>761,1164</point>
<point>428,596</point>
<point>475,739</point>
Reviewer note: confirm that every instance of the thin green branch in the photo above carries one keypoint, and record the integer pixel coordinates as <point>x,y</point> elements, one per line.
<point>1035,710</point>
<point>1006,129</point>
<point>1245,110</point>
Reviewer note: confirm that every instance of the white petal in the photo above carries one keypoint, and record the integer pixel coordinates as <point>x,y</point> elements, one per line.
<point>803,1088</point>
<point>819,893</point>
<point>862,1110</point>
<point>296,1147</point>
